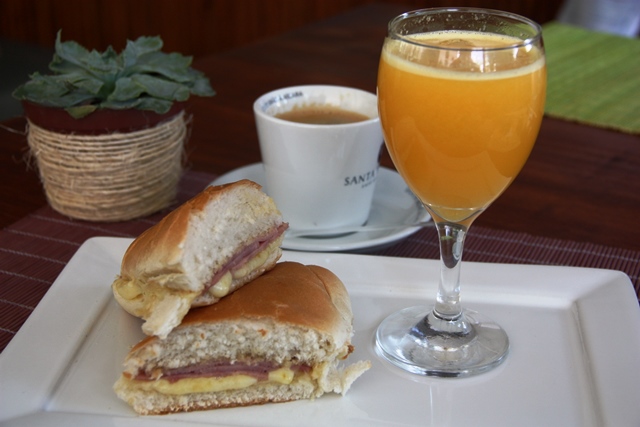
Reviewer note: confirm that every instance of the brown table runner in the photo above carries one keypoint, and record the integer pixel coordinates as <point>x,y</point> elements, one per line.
<point>34,250</point>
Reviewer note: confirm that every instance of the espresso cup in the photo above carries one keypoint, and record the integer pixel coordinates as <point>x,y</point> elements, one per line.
<point>320,149</point>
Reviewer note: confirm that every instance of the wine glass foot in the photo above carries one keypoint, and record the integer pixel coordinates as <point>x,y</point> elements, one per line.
<point>420,342</point>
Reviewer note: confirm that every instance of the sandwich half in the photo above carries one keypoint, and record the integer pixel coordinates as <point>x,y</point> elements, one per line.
<point>279,338</point>
<point>202,251</point>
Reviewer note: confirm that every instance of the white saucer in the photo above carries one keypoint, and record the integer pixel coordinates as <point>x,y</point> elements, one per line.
<point>393,203</point>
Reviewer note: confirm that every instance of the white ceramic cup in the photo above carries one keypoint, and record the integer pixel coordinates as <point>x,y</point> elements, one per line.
<point>321,176</point>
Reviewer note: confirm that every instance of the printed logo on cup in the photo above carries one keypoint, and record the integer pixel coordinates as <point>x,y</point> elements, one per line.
<point>280,98</point>
<point>364,180</point>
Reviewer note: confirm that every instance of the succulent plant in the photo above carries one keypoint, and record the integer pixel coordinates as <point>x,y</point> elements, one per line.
<point>140,77</point>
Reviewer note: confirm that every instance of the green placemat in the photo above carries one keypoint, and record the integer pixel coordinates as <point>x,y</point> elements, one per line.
<point>593,78</point>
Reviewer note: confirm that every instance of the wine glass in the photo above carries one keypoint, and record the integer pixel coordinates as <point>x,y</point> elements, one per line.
<point>461,96</point>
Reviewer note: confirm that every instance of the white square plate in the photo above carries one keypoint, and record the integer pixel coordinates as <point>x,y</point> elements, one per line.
<point>574,360</point>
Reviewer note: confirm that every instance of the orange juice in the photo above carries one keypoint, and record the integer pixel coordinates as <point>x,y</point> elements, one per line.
<point>459,125</point>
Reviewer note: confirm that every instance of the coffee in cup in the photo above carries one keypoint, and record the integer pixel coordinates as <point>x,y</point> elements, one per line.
<point>316,114</point>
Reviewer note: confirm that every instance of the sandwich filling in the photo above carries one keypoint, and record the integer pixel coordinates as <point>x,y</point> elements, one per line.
<point>278,338</point>
<point>244,262</point>
<point>250,258</point>
<point>217,376</point>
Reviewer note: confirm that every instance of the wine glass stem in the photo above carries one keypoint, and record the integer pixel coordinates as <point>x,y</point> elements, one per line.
<point>451,237</point>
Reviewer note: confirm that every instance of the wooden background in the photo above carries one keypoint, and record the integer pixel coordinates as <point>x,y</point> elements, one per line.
<point>197,27</point>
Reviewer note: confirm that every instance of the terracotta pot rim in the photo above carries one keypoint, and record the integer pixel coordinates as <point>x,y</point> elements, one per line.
<point>99,122</point>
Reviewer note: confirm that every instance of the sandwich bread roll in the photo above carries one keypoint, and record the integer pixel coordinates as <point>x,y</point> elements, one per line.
<point>279,338</point>
<point>202,251</point>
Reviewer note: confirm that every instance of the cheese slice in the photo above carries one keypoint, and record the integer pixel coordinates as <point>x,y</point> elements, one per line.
<point>223,286</point>
<point>210,384</point>
<point>256,261</point>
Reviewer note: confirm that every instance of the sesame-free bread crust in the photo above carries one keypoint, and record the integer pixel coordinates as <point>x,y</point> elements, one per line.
<point>294,313</point>
<point>165,271</point>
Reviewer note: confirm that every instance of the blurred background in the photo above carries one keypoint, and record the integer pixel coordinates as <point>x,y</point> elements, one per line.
<point>199,27</point>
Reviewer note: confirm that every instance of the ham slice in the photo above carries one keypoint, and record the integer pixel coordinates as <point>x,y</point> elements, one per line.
<point>219,369</point>
<point>242,257</point>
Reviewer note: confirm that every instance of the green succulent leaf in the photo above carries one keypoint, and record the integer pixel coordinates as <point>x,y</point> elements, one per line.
<point>122,105</point>
<point>142,46</point>
<point>172,66</point>
<point>51,91</point>
<point>201,86</point>
<point>81,110</point>
<point>126,88</point>
<point>160,106</point>
<point>141,76</point>
<point>161,88</point>
<point>69,51</point>
<point>81,81</point>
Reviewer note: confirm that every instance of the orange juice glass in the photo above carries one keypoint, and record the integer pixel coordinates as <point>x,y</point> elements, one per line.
<point>457,134</point>
<point>461,97</point>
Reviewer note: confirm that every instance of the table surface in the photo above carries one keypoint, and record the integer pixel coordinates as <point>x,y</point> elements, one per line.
<point>580,185</point>
<point>580,182</point>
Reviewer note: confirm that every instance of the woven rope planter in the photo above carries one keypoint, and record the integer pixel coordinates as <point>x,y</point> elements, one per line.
<point>112,176</point>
